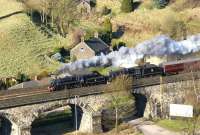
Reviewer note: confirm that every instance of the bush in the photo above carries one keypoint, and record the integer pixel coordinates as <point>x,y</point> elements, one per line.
<point>64,52</point>
<point>2,85</point>
<point>148,4</point>
<point>107,25</point>
<point>105,36</point>
<point>127,6</point>
<point>117,46</point>
<point>105,10</point>
<point>73,58</point>
<point>176,29</point>
<point>21,77</point>
<point>93,3</point>
<point>161,3</point>
<point>179,30</point>
<point>43,74</point>
<point>88,35</point>
<point>180,5</point>
<point>106,33</point>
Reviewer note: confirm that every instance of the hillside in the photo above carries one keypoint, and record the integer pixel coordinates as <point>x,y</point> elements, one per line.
<point>9,6</point>
<point>24,45</point>
<point>147,22</point>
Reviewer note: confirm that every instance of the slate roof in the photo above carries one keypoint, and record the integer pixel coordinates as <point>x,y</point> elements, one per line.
<point>32,84</point>
<point>97,44</point>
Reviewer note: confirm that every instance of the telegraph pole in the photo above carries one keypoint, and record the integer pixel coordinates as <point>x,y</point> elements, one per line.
<point>76,119</point>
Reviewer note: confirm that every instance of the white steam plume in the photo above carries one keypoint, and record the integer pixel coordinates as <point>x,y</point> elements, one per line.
<point>126,57</point>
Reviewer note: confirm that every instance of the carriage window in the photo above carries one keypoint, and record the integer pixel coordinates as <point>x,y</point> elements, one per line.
<point>152,70</point>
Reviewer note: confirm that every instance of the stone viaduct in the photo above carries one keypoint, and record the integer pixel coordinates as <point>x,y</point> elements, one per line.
<point>21,118</point>
<point>91,107</point>
<point>151,101</point>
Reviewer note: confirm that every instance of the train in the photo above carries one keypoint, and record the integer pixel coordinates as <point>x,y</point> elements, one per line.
<point>146,70</point>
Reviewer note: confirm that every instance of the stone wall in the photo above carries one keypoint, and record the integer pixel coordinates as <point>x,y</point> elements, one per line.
<point>160,96</point>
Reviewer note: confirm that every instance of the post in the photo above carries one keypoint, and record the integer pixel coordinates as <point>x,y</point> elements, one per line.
<point>76,119</point>
<point>161,95</point>
<point>116,120</point>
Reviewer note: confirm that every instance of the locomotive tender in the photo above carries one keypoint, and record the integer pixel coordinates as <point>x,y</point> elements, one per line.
<point>147,70</point>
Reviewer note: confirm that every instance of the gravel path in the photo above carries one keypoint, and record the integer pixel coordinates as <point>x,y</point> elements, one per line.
<point>149,128</point>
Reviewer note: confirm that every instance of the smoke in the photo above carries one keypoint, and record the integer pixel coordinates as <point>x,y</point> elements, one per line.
<point>126,57</point>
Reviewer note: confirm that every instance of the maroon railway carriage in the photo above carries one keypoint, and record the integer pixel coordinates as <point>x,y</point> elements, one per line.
<point>176,67</point>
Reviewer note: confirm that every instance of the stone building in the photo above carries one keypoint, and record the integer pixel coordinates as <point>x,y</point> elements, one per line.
<point>89,48</point>
<point>84,7</point>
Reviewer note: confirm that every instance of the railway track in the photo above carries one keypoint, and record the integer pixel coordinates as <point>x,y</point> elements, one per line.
<point>20,97</point>
<point>11,96</point>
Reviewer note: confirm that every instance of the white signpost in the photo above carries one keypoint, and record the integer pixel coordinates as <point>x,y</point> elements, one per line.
<point>181,110</point>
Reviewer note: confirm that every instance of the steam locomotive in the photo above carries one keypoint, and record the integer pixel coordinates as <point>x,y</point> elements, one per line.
<point>147,70</point>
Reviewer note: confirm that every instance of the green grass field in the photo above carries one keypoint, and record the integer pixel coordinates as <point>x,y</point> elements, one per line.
<point>23,46</point>
<point>9,6</point>
<point>176,125</point>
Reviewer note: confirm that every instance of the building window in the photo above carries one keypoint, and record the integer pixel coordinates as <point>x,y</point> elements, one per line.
<point>82,49</point>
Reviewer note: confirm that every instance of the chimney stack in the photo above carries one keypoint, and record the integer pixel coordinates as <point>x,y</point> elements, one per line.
<point>36,78</point>
<point>82,39</point>
<point>96,34</point>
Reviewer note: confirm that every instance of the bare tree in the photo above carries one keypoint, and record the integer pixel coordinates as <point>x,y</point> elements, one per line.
<point>63,13</point>
<point>192,97</point>
<point>120,92</point>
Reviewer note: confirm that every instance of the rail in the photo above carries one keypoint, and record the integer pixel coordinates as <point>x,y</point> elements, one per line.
<point>42,97</point>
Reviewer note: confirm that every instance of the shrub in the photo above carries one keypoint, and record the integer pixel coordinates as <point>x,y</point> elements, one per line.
<point>73,58</point>
<point>180,5</point>
<point>21,77</point>
<point>148,4</point>
<point>106,33</point>
<point>127,6</point>
<point>93,3</point>
<point>161,3</point>
<point>105,10</point>
<point>89,33</point>
<point>43,74</point>
<point>176,29</point>
<point>179,30</point>
<point>117,46</point>
<point>105,36</point>
<point>61,50</point>
<point>107,25</point>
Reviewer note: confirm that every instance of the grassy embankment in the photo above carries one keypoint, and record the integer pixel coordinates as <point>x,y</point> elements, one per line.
<point>176,125</point>
<point>9,6</point>
<point>23,45</point>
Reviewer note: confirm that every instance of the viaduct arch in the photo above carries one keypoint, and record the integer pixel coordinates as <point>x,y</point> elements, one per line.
<point>21,118</point>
